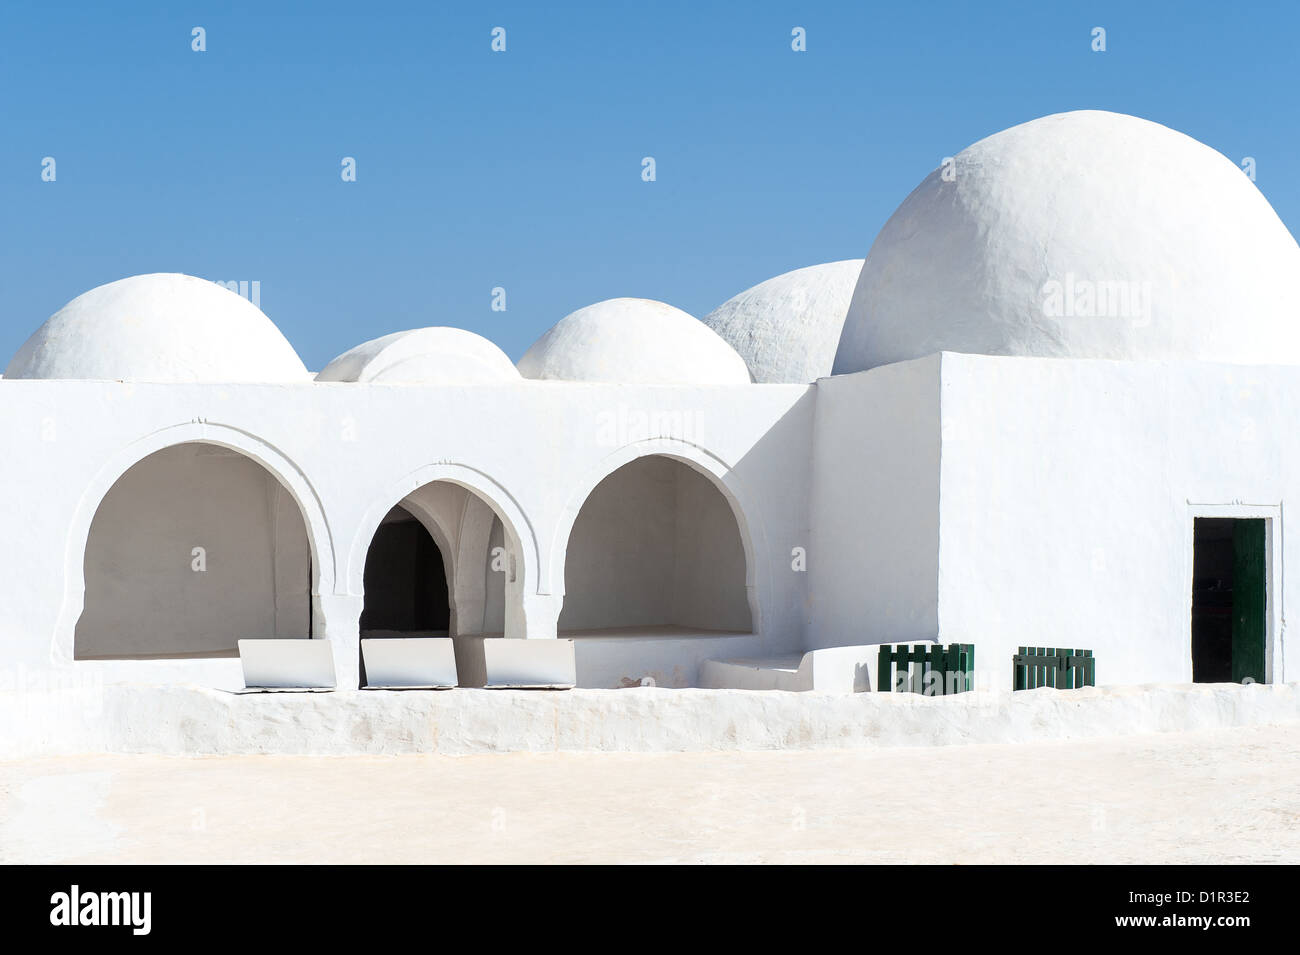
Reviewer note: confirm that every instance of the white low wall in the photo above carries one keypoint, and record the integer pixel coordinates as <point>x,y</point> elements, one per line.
<point>831,670</point>
<point>614,662</point>
<point>188,720</point>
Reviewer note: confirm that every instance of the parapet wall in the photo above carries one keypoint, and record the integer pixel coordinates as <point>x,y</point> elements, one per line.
<point>191,721</point>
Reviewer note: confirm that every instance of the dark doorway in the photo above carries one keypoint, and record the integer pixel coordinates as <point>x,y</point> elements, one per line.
<point>405,580</point>
<point>1229,599</point>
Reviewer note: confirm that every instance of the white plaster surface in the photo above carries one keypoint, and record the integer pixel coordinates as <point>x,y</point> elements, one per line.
<point>1068,495</point>
<point>1095,201</point>
<point>788,328</point>
<point>633,340</point>
<point>438,355</point>
<point>873,555</point>
<point>144,596</point>
<point>1011,502</point>
<point>655,544</point>
<point>829,670</point>
<point>159,327</point>
<point>346,453</point>
<point>189,720</point>
<point>668,656</point>
<point>774,673</point>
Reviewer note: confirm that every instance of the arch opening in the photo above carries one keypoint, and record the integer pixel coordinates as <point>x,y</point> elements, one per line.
<point>406,588</point>
<point>440,563</point>
<point>193,548</point>
<point>655,549</point>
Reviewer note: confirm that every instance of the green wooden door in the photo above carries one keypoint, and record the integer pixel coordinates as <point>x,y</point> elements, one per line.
<point>1249,601</point>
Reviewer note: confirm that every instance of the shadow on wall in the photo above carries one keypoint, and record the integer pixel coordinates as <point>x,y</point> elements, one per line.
<point>194,547</point>
<point>658,577</point>
<point>781,462</point>
<point>655,545</point>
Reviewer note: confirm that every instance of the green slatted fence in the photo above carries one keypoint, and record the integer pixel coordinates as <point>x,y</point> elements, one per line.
<point>1063,669</point>
<point>926,668</point>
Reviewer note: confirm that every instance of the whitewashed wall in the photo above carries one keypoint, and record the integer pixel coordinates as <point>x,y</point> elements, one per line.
<point>148,593</point>
<point>873,552</point>
<point>349,452</point>
<point>494,610</point>
<point>709,558</point>
<point>655,544</point>
<point>618,569</point>
<point>1069,489</point>
<point>1065,491</point>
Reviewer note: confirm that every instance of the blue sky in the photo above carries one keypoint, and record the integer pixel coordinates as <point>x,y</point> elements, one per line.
<point>523,169</point>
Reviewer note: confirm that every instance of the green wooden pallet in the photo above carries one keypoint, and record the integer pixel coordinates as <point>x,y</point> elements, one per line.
<point>926,668</point>
<point>1063,669</point>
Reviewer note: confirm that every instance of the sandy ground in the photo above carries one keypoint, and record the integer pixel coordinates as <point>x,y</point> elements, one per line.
<point>1219,796</point>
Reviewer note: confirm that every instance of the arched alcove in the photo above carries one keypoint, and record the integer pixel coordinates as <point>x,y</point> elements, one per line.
<point>193,548</point>
<point>655,548</point>
<point>439,563</point>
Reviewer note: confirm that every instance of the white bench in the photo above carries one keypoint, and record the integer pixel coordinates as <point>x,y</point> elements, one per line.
<point>832,670</point>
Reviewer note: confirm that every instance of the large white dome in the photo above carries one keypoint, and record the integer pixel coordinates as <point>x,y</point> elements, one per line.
<point>1080,235</point>
<point>161,327</point>
<point>636,341</point>
<point>787,328</point>
<point>447,356</point>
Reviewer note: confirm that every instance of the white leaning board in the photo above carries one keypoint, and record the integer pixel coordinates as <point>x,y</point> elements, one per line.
<point>294,664</point>
<point>409,663</point>
<point>530,664</point>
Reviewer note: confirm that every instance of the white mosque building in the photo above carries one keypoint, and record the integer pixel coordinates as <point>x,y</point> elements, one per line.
<point>1054,406</point>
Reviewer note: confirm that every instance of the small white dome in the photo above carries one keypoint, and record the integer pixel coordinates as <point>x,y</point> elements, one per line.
<point>635,341</point>
<point>1080,235</point>
<point>447,356</point>
<point>160,327</point>
<point>787,328</point>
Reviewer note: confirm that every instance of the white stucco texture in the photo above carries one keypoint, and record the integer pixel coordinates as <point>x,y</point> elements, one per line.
<point>1080,235</point>
<point>633,341</point>
<point>439,355</point>
<point>187,720</point>
<point>145,594</point>
<point>163,327</point>
<point>996,474</point>
<point>655,545</point>
<point>788,327</point>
